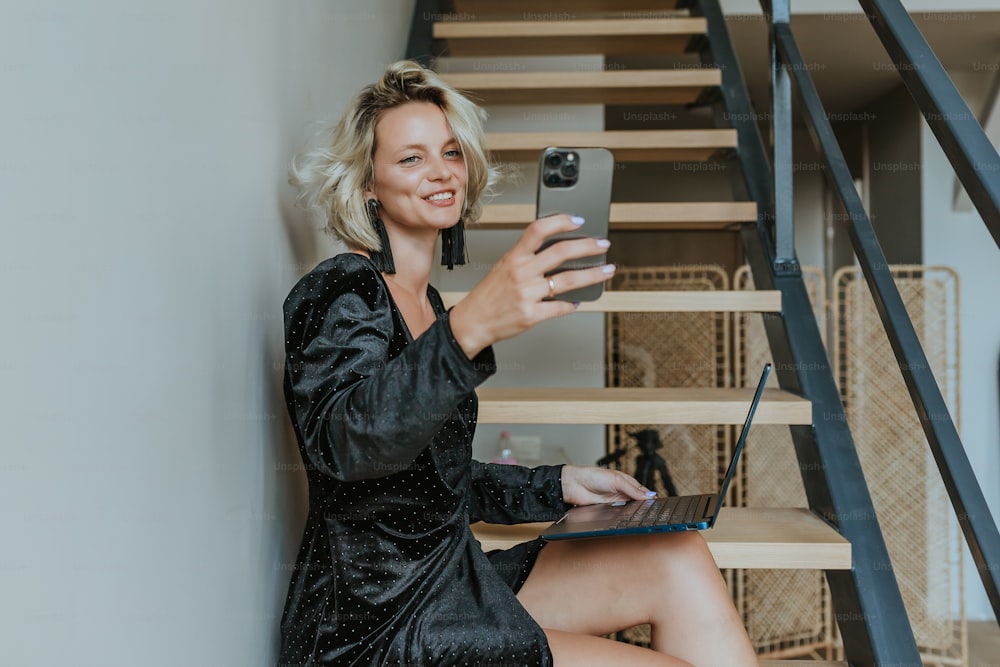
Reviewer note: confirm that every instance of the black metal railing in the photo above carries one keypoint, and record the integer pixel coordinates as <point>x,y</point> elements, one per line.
<point>971,153</point>
<point>977,165</point>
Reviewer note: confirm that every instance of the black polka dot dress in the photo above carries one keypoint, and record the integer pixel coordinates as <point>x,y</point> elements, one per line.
<point>388,572</point>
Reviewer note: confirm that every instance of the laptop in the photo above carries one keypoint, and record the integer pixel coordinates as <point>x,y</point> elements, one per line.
<point>672,514</point>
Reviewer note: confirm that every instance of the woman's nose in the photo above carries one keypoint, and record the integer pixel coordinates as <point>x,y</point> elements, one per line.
<point>439,170</point>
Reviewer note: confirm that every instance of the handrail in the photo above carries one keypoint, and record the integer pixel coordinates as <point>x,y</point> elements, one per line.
<point>956,471</point>
<point>959,133</point>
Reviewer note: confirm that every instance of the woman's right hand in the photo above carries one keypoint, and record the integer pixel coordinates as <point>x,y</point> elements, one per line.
<point>513,297</point>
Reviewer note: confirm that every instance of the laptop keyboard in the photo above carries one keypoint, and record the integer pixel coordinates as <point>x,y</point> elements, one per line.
<point>676,509</point>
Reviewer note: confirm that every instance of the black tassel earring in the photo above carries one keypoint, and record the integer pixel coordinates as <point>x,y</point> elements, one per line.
<point>382,259</point>
<point>453,245</point>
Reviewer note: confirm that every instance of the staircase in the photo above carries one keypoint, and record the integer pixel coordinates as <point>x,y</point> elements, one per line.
<point>824,538</point>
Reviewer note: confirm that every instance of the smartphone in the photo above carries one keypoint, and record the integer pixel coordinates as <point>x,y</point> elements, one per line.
<point>577,181</point>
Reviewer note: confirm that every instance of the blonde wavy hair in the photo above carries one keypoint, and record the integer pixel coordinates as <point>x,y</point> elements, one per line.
<point>332,179</point>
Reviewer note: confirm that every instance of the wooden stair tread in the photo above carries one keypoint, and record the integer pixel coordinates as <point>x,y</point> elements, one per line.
<point>555,9</point>
<point>743,537</point>
<point>637,405</point>
<point>671,86</point>
<point>587,27</point>
<point>635,216</point>
<point>572,36</point>
<point>635,145</point>
<point>686,301</point>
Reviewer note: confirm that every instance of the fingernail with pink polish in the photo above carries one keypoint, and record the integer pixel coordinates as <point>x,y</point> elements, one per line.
<point>577,220</point>
<point>651,494</point>
<point>608,268</point>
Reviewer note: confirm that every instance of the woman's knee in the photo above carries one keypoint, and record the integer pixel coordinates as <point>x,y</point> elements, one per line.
<point>682,550</point>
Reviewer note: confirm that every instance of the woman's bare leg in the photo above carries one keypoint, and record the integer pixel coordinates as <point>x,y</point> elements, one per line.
<point>669,580</point>
<point>576,650</point>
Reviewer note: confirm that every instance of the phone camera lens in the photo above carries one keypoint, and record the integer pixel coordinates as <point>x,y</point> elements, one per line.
<point>552,179</point>
<point>554,160</point>
<point>569,170</point>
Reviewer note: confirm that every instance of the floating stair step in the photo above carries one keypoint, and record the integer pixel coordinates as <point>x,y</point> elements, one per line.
<point>722,301</point>
<point>628,216</point>
<point>678,86</point>
<point>627,146</point>
<point>564,37</point>
<point>556,9</point>
<point>637,405</point>
<point>743,537</point>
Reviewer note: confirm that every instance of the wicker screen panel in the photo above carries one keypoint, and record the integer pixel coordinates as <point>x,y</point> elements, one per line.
<point>770,458</point>
<point>671,350</point>
<point>920,529</point>
<point>649,349</point>
<point>788,613</point>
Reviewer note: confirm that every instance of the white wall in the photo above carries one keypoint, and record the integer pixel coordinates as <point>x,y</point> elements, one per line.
<point>959,239</point>
<point>808,201</point>
<point>150,497</point>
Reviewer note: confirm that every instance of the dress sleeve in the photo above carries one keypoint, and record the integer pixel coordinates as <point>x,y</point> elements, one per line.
<point>358,414</point>
<point>510,494</point>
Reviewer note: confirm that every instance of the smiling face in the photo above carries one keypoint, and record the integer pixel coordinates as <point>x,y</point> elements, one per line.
<point>420,173</point>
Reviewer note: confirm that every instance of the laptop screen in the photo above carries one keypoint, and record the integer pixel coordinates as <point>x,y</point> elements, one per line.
<point>743,434</point>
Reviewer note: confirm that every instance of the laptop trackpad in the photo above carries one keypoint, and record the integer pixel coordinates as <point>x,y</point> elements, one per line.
<point>603,512</point>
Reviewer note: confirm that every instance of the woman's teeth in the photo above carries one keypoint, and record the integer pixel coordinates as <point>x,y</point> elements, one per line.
<point>441,195</point>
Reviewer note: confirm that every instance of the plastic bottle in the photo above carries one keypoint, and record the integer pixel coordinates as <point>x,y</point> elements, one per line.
<point>505,450</point>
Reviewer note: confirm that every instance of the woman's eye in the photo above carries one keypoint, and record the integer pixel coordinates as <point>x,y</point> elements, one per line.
<point>454,153</point>
<point>409,160</point>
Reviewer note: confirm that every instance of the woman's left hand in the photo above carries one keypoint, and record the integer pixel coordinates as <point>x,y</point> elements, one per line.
<point>589,485</point>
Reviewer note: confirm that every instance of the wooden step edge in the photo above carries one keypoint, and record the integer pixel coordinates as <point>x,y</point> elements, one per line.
<point>496,47</point>
<point>637,405</point>
<point>610,36</point>
<point>486,81</point>
<point>743,537</point>
<point>693,138</point>
<point>627,146</point>
<point>677,86</point>
<point>576,92</point>
<point>723,301</point>
<point>803,663</point>
<point>630,215</point>
<point>637,154</point>
<point>557,9</point>
<point>592,27</point>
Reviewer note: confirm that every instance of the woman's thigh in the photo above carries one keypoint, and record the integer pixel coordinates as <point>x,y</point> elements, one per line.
<point>599,586</point>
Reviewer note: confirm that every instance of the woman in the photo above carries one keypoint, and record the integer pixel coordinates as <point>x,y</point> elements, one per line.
<point>380,386</point>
